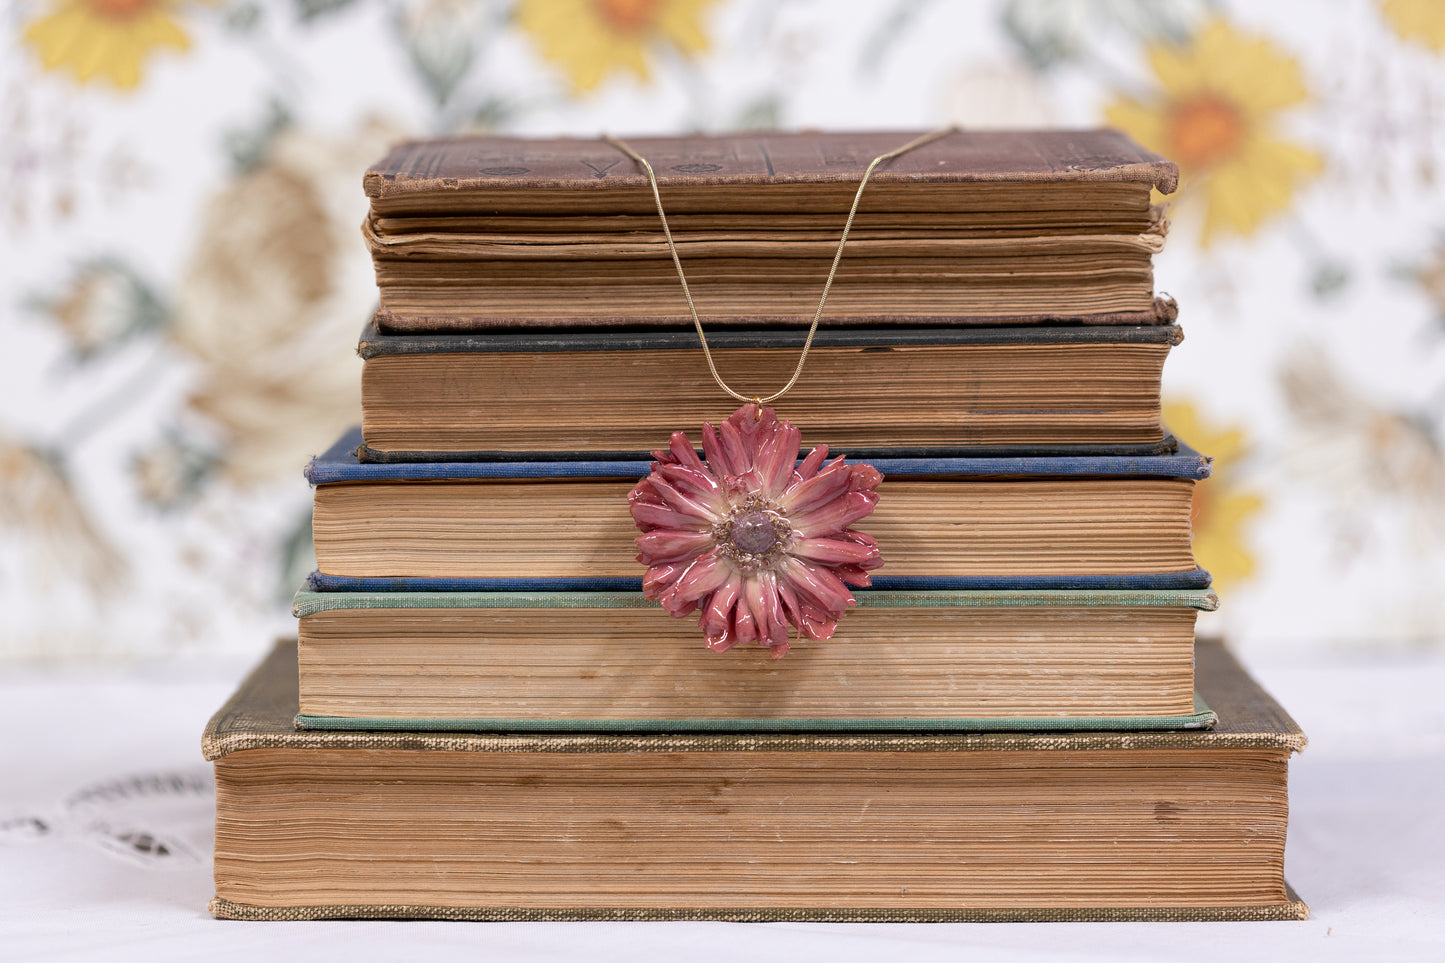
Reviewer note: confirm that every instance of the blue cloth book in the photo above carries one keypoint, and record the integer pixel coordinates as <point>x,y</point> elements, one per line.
<point>1043,522</point>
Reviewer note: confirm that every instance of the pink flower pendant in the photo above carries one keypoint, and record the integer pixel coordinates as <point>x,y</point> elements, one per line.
<point>748,539</point>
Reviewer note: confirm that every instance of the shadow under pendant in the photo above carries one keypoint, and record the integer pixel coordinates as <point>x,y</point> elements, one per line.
<point>752,538</point>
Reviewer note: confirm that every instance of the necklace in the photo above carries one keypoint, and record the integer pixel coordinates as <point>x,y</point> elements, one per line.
<point>832,271</point>
<point>754,540</point>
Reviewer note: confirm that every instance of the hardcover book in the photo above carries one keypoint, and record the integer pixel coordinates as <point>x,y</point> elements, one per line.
<point>941,391</point>
<point>976,227</point>
<point>580,661</point>
<point>869,826</point>
<point>940,523</point>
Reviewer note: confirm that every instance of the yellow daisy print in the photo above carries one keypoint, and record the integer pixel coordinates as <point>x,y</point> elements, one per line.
<point>1422,20</point>
<point>1213,112</point>
<point>590,39</point>
<point>104,39</point>
<point>1222,511</point>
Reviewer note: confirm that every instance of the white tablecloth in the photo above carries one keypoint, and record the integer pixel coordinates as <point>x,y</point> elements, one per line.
<point>89,755</point>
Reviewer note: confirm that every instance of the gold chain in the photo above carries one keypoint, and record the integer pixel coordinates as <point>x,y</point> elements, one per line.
<point>832,271</point>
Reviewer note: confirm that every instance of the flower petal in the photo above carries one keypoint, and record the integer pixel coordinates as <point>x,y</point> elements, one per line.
<point>817,624</point>
<point>717,617</point>
<point>712,453</point>
<point>809,466</point>
<point>755,425</point>
<point>694,481</point>
<point>705,576</point>
<point>663,545</point>
<point>807,618</point>
<point>862,538</point>
<point>835,516</point>
<point>863,478</point>
<point>677,609</point>
<point>853,575</point>
<point>697,484</point>
<point>734,449</point>
<point>680,502</point>
<point>827,484</point>
<point>646,492</point>
<point>756,596</point>
<point>776,620</point>
<point>736,488</point>
<point>660,577</point>
<point>722,642</point>
<point>832,551</point>
<point>658,516</point>
<point>745,622</point>
<point>683,453</point>
<point>776,457</point>
<point>788,599</point>
<point>818,585</point>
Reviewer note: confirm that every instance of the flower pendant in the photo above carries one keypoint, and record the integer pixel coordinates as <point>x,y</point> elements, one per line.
<point>752,538</point>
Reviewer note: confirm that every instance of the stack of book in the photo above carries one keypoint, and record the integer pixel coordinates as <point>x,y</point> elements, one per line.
<point>1015,722</point>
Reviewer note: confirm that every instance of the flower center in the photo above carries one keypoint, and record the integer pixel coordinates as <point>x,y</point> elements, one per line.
<point>628,16</point>
<point>754,533</point>
<point>1204,130</point>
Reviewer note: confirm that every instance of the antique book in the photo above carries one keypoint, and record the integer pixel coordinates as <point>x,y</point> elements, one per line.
<point>945,519</point>
<point>957,390</point>
<point>979,226</point>
<point>875,826</point>
<point>612,661</point>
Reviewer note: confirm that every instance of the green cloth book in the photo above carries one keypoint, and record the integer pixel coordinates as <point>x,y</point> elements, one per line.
<point>862,826</point>
<point>612,661</point>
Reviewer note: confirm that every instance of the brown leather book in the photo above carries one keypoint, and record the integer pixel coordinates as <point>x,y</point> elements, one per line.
<point>976,227</point>
<point>864,826</point>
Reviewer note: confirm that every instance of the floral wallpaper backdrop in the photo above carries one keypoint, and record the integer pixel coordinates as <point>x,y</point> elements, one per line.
<point>183,278</point>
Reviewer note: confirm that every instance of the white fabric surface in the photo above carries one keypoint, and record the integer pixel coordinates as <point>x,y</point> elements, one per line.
<point>92,755</point>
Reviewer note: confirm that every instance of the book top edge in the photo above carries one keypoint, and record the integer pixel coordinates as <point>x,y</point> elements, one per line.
<point>482,163</point>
